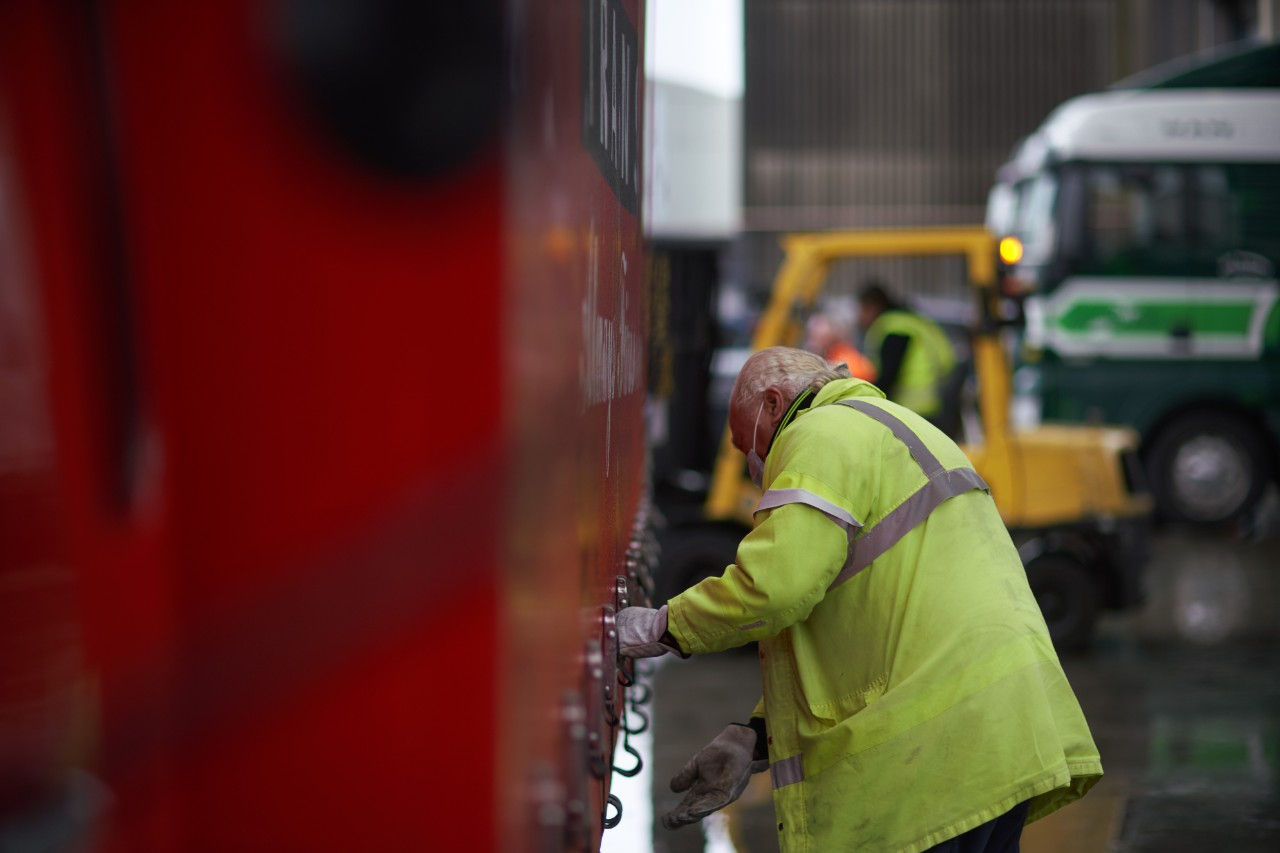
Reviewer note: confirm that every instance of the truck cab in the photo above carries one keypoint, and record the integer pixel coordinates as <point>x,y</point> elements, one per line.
<point>1142,227</point>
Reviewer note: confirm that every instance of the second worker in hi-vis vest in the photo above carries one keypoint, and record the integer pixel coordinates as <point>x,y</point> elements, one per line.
<point>912,697</point>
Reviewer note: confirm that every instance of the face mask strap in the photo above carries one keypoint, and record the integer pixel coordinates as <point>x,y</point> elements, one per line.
<point>755,426</point>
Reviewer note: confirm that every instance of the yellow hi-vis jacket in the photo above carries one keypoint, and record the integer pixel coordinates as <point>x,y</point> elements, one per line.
<point>925,364</point>
<point>911,691</point>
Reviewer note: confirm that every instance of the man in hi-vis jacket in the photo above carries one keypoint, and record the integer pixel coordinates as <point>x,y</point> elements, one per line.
<point>912,697</point>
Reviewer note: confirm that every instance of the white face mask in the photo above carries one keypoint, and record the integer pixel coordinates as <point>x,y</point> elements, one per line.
<point>755,465</point>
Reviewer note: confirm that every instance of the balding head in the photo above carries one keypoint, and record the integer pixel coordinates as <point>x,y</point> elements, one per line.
<point>791,371</point>
<point>767,384</point>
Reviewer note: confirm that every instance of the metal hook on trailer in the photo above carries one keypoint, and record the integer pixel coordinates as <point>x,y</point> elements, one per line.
<point>611,822</point>
<point>626,672</point>
<point>644,724</point>
<point>626,745</point>
<point>644,697</point>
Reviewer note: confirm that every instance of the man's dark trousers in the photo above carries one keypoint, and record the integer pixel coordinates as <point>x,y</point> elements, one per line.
<point>995,836</point>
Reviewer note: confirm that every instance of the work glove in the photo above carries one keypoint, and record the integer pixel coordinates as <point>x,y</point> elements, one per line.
<point>716,776</point>
<point>642,633</point>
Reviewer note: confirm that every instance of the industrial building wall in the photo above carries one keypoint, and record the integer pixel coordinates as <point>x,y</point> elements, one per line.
<point>880,113</point>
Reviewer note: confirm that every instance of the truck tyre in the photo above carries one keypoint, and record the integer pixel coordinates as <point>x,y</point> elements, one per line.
<point>1068,597</point>
<point>1207,468</point>
<point>691,554</point>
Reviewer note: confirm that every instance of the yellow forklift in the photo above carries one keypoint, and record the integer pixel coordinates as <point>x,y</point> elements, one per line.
<point>1071,496</point>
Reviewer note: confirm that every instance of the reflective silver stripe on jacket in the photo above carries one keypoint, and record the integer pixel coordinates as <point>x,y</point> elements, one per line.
<point>942,484</point>
<point>780,497</point>
<point>788,771</point>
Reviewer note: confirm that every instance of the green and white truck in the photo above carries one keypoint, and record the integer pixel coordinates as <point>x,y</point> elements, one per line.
<point>1143,240</point>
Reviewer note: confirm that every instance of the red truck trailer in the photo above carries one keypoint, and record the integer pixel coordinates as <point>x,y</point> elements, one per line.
<point>322,467</point>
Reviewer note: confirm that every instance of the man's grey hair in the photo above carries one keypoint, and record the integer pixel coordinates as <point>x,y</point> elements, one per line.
<point>792,371</point>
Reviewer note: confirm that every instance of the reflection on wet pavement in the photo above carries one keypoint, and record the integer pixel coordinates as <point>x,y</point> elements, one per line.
<point>1183,698</point>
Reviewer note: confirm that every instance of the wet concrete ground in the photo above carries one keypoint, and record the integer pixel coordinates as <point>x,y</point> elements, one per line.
<point>1183,697</point>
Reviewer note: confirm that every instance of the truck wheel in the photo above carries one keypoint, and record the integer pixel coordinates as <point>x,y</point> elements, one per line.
<point>1207,469</point>
<point>1068,597</point>
<point>691,554</point>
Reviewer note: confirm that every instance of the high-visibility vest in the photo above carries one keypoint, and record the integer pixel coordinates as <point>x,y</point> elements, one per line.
<point>927,361</point>
<point>911,691</point>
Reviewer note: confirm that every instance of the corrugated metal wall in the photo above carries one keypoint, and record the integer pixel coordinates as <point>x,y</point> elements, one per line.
<point>866,113</point>
<point>895,112</point>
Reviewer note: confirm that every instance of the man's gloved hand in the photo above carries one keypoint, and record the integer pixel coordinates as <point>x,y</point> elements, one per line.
<point>715,777</point>
<point>642,633</point>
